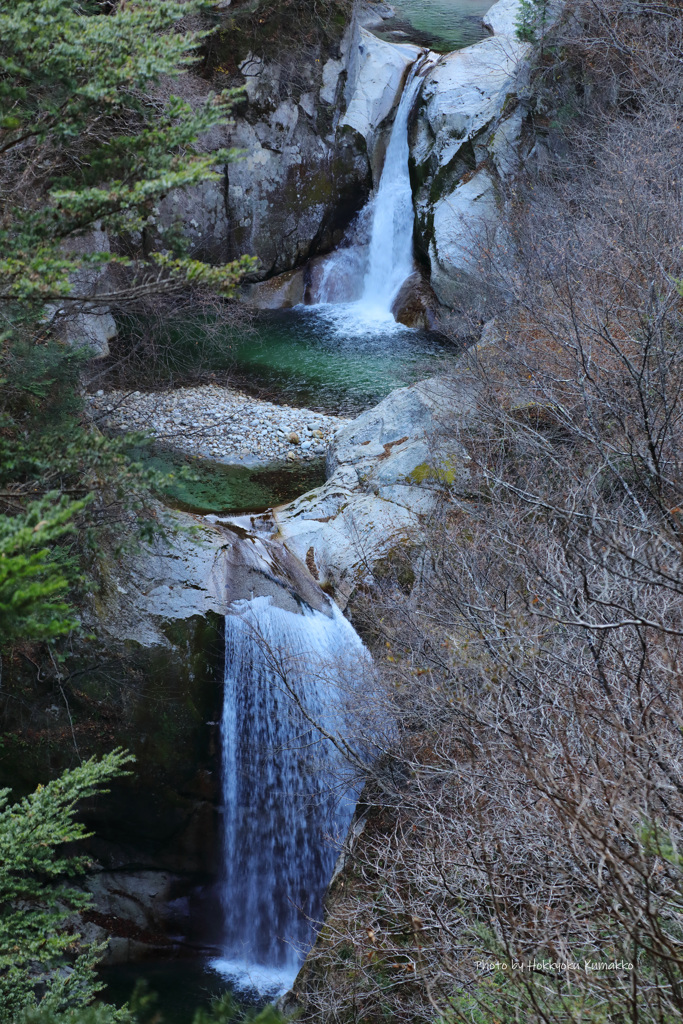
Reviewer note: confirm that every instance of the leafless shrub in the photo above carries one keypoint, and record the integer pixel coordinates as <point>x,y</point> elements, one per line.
<point>177,340</point>
<point>534,807</point>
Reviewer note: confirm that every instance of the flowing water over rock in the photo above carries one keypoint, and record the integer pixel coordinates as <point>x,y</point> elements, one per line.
<point>281,802</point>
<point>389,257</point>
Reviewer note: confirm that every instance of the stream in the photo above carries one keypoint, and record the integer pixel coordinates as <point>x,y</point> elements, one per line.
<point>283,810</point>
<point>284,801</point>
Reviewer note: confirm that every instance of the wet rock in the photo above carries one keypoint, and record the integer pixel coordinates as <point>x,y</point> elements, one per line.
<point>416,304</point>
<point>468,125</point>
<point>376,74</point>
<point>281,292</point>
<point>336,277</point>
<point>384,473</point>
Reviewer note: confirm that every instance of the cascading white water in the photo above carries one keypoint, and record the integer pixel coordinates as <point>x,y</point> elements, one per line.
<point>390,259</point>
<point>279,801</point>
<point>357,285</point>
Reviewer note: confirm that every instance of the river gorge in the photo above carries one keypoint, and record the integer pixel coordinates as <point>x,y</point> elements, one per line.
<point>331,336</point>
<point>366,180</point>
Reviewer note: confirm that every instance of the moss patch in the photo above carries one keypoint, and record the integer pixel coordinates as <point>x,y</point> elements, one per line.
<point>425,473</point>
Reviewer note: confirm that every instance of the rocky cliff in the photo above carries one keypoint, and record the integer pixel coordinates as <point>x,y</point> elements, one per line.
<point>300,176</point>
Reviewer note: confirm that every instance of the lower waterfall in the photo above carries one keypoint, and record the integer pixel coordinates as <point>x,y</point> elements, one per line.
<point>281,803</point>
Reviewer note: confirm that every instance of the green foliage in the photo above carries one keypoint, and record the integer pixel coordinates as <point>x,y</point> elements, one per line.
<point>142,1009</point>
<point>79,117</point>
<point>43,965</point>
<point>47,974</point>
<point>225,1010</point>
<point>532,20</point>
<point>90,142</point>
<point>32,582</point>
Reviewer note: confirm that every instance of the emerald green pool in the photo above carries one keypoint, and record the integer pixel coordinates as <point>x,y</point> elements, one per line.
<point>319,357</point>
<point>311,357</point>
<point>443,25</point>
<point>202,487</point>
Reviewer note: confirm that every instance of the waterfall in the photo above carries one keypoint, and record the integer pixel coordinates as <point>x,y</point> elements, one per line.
<point>280,801</point>
<point>390,259</point>
<point>356,286</point>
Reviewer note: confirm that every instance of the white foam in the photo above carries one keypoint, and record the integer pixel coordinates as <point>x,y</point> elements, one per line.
<point>245,976</point>
<point>359,319</point>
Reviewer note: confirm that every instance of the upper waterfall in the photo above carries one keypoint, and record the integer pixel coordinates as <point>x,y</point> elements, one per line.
<point>371,275</point>
<point>390,258</point>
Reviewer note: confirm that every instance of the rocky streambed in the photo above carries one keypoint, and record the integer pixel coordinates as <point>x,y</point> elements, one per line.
<point>219,423</point>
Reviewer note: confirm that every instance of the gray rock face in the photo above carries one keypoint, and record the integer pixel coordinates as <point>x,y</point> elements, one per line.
<point>133,903</point>
<point>383,472</point>
<point>461,221</point>
<point>464,137</point>
<point>301,175</point>
<point>501,19</point>
<point>81,323</point>
<point>202,215</point>
<point>204,566</point>
<point>376,75</point>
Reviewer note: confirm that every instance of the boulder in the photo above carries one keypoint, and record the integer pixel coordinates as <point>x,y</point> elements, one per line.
<point>504,145</point>
<point>293,191</point>
<point>464,220</point>
<point>501,19</point>
<point>280,292</point>
<point>203,565</point>
<point>200,212</point>
<point>385,472</point>
<point>93,328</point>
<point>416,304</point>
<point>331,74</point>
<point>467,130</point>
<point>297,182</point>
<point>81,323</point>
<point>463,94</point>
<point>376,75</point>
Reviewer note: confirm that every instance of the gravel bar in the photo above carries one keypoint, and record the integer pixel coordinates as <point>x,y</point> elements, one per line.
<point>219,423</point>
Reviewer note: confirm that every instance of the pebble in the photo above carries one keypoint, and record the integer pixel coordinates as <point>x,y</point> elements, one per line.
<point>218,422</point>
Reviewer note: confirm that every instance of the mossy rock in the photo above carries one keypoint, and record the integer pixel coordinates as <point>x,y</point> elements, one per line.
<point>444,472</point>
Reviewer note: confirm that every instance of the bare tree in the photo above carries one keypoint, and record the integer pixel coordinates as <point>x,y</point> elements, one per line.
<point>520,859</point>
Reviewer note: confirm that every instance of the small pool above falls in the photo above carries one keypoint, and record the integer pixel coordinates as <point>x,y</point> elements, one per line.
<point>443,25</point>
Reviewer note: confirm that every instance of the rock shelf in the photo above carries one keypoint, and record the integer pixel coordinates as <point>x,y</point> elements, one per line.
<point>219,423</point>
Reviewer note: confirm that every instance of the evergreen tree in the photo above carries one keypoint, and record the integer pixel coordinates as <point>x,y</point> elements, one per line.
<point>43,964</point>
<point>532,20</point>
<point>32,583</point>
<point>86,146</point>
